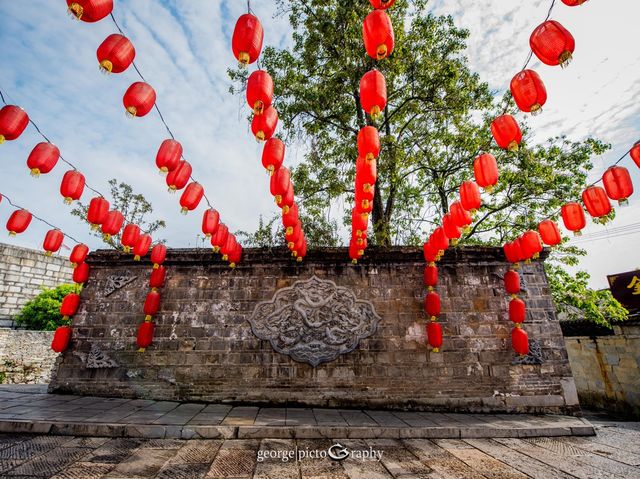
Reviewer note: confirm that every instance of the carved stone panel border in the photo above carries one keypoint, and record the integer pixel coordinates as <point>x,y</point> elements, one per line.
<point>314,321</point>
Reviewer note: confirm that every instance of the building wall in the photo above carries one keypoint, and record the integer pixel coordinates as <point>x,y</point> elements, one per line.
<point>23,274</point>
<point>26,356</point>
<point>607,369</point>
<point>204,347</point>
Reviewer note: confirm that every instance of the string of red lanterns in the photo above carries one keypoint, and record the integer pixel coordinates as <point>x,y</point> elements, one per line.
<point>157,278</point>
<point>246,44</point>
<point>379,43</point>
<point>115,55</point>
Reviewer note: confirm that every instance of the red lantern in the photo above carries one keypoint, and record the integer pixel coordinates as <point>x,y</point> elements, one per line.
<point>219,237</point>
<point>506,132</point>
<point>451,230</point>
<point>142,246</point>
<point>290,216</point>
<point>520,341</point>
<point>549,232</point>
<point>573,218</point>
<point>18,222</point>
<point>300,245</point>
<point>81,273</point>
<point>97,212</point>
<point>634,153</point>
<point>369,143</point>
<point>359,223</point>
<point>373,93</point>
<point>43,158</point>
<point>301,250</point>
<point>259,91</point>
<point>573,3</point>
<point>158,276</point>
<point>210,222</point>
<point>264,126</point>
<point>279,183</point>
<point>291,237</point>
<point>52,241</point>
<point>531,245</point>
<point>366,172</point>
<point>440,240</point>
<point>151,304</point>
<point>179,177</point>
<point>69,305</point>
<point>517,310</point>
<point>377,32</point>
<point>362,203</point>
<point>510,252</point>
<point>355,251</point>
<point>139,99</point>
<point>552,43</point>
<point>618,185</point>
<point>470,196</point>
<point>528,91</point>
<point>432,305</point>
<point>158,255</point>
<point>596,201</point>
<point>145,335</point>
<point>273,154</point>
<point>286,200</point>
<point>485,169</point>
<point>61,339</point>
<point>78,254</point>
<point>247,39</point>
<point>130,236</point>
<point>235,256</point>
<point>72,186</point>
<point>434,335</point>
<point>13,121</point>
<point>191,197</point>
<point>381,4</point>
<point>512,282</point>
<point>228,246</point>
<point>90,10</point>
<point>112,224</point>
<point>430,276</point>
<point>430,253</point>
<point>169,155</point>
<point>461,217</point>
<point>115,54</point>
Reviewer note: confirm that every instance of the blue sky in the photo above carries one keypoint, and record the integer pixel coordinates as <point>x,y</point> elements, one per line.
<point>183,48</point>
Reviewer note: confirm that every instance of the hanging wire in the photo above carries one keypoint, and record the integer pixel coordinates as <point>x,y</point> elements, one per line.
<point>155,106</point>
<point>87,186</point>
<point>40,219</point>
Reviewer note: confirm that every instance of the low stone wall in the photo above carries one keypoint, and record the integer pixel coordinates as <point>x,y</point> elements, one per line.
<point>26,356</point>
<point>254,334</point>
<point>607,369</point>
<point>23,274</point>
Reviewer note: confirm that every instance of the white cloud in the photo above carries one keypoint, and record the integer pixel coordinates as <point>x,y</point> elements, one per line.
<point>183,48</point>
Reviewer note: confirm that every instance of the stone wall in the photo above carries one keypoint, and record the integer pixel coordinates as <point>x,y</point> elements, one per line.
<point>607,369</point>
<point>205,349</point>
<point>26,356</point>
<point>23,274</point>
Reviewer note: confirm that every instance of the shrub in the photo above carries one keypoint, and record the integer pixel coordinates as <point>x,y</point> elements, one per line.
<point>43,312</point>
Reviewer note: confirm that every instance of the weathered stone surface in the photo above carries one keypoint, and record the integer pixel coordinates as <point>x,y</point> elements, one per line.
<point>606,369</point>
<point>204,347</point>
<point>26,356</point>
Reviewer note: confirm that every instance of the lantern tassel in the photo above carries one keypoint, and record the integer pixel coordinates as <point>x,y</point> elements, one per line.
<point>106,67</point>
<point>35,172</point>
<point>1,139</point>
<point>132,111</point>
<point>75,11</point>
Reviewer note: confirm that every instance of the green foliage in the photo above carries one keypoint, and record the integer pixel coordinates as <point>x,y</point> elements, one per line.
<point>134,206</point>
<point>431,131</point>
<point>42,313</point>
<point>575,300</point>
<point>318,231</point>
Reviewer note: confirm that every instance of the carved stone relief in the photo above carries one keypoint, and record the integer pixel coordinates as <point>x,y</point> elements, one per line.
<point>96,359</point>
<point>116,282</point>
<point>314,321</point>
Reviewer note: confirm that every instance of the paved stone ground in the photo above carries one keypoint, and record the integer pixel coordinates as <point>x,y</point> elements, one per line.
<point>613,453</point>
<point>31,410</point>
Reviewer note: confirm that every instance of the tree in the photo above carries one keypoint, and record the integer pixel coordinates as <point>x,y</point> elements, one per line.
<point>576,301</point>
<point>42,313</point>
<point>431,131</point>
<point>134,206</point>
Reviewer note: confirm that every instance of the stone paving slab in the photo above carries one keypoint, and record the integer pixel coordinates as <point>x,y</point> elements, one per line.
<point>38,413</point>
